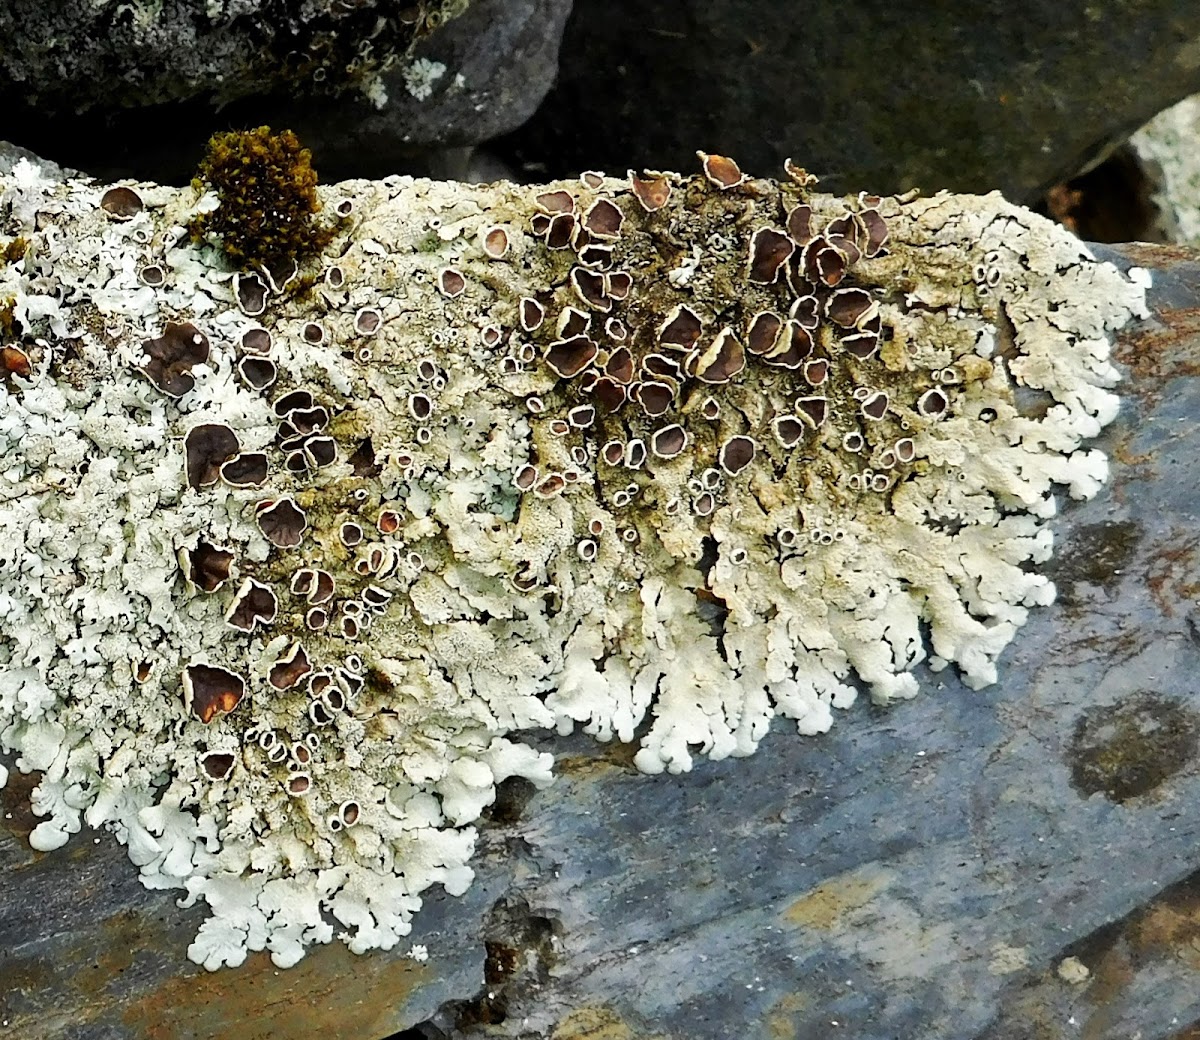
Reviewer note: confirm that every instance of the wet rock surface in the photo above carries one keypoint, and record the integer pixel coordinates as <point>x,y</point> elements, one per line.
<point>931,869</point>
<point>1003,96</point>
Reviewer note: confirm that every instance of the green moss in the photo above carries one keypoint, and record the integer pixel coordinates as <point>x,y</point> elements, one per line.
<point>431,243</point>
<point>267,189</point>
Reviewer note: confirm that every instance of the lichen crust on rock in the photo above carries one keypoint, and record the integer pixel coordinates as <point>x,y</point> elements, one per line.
<point>289,558</point>
<point>130,53</point>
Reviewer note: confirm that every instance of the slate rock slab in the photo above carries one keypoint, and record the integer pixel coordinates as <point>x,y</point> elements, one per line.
<point>925,870</point>
<point>994,95</point>
<point>933,869</point>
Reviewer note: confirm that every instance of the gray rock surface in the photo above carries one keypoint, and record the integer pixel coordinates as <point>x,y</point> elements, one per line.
<point>1015,96</point>
<point>397,101</point>
<point>500,59</point>
<point>75,57</point>
<point>1168,147</point>
<point>942,868</point>
<point>10,155</point>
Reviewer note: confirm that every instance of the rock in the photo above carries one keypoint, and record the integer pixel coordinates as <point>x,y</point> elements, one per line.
<point>365,104</point>
<point>1168,148</point>
<point>62,57</point>
<point>1009,96</point>
<point>10,155</point>
<point>918,871</point>
<point>929,870</point>
<point>499,59</point>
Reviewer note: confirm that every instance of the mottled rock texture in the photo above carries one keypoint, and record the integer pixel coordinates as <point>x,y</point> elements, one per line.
<point>136,88</point>
<point>100,54</point>
<point>1015,96</point>
<point>1169,150</point>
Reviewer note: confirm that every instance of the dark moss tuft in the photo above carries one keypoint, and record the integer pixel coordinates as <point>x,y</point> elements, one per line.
<point>15,250</point>
<point>268,199</point>
<point>8,318</point>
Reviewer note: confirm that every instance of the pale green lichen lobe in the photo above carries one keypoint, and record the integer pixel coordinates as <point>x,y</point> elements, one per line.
<point>700,450</point>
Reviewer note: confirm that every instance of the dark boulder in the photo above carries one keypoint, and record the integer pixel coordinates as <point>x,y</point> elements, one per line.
<point>135,89</point>
<point>1015,96</point>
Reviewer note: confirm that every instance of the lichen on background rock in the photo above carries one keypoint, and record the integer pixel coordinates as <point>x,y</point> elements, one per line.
<point>1166,147</point>
<point>286,571</point>
<point>64,53</point>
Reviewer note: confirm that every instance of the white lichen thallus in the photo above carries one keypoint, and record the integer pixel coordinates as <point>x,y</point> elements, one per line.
<point>326,551</point>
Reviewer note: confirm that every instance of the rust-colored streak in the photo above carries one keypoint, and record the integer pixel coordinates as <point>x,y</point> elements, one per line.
<point>1157,254</point>
<point>16,812</point>
<point>1134,465</point>
<point>99,983</point>
<point>332,994</point>
<point>1173,573</point>
<point>1166,929</point>
<point>1156,355</point>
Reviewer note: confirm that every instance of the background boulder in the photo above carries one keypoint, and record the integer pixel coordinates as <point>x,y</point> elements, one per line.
<point>875,95</point>
<point>128,89</point>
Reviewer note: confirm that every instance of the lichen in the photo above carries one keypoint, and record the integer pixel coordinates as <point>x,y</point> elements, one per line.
<point>420,77</point>
<point>62,57</point>
<point>282,579</point>
<point>1167,148</point>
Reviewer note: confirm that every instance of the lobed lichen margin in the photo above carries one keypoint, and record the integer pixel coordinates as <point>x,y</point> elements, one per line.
<point>704,605</point>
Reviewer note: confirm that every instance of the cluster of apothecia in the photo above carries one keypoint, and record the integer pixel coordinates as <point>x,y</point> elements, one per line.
<point>787,366</point>
<point>647,375</point>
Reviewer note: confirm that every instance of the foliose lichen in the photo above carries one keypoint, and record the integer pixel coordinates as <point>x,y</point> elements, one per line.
<point>281,580</point>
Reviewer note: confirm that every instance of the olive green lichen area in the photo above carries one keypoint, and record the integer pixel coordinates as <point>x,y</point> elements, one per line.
<point>282,579</point>
<point>1128,750</point>
<point>263,212</point>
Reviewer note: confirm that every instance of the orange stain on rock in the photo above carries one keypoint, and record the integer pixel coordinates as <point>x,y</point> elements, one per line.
<point>332,993</point>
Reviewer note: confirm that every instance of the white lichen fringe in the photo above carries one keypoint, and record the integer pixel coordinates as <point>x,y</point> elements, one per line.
<point>775,446</point>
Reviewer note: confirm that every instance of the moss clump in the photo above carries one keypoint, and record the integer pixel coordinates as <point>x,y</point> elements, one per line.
<point>8,318</point>
<point>15,250</point>
<point>268,199</point>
